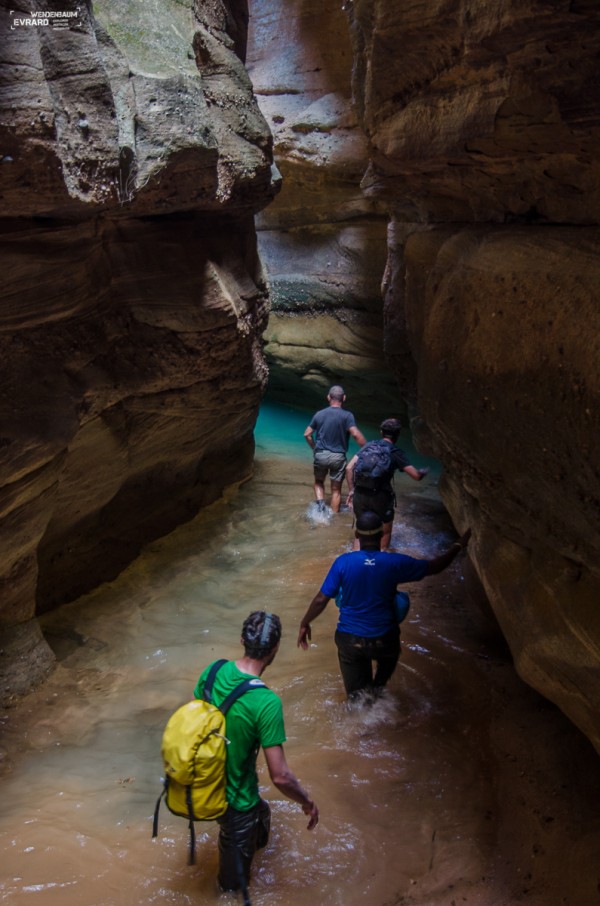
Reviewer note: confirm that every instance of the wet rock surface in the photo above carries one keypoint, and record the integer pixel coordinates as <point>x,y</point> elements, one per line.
<point>485,153</point>
<point>134,300</point>
<point>323,243</point>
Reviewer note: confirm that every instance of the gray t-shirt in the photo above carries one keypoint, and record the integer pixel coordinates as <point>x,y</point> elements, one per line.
<point>332,426</point>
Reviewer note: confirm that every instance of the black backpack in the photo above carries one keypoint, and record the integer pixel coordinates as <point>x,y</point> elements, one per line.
<point>374,465</point>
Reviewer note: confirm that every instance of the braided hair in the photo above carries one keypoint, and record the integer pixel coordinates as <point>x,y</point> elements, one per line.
<point>261,633</point>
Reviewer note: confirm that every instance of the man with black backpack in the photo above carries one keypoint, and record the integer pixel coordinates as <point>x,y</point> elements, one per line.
<point>369,475</point>
<point>254,721</point>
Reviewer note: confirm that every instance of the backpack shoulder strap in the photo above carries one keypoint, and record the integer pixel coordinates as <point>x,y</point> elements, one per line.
<point>245,686</point>
<point>208,682</point>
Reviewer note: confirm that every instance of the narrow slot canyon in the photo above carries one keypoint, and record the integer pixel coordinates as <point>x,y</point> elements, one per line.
<point>211,211</point>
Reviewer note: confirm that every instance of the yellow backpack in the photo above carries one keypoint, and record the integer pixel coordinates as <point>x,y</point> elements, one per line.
<point>194,752</point>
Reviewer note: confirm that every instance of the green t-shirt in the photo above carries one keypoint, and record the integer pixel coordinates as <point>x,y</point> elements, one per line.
<point>255,720</point>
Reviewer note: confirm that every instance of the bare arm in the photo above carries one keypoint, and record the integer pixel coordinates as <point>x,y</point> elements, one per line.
<point>440,563</point>
<point>350,478</point>
<point>308,434</point>
<point>417,474</point>
<point>316,606</point>
<point>358,436</point>
<point>287,783</point>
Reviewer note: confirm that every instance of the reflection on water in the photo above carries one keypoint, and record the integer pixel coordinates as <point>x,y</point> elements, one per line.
<point>401,786</point>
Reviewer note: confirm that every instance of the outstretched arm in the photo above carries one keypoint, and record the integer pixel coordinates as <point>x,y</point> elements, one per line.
<point>287,783</point>
<point>317,606</point>
<point>440,563</point>
<point>417,474</point>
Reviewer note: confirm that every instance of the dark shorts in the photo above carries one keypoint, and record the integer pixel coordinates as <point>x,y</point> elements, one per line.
<point>240,835</point>
<point>356,655</point>
<point>380,502</point>
<point>327,463</point>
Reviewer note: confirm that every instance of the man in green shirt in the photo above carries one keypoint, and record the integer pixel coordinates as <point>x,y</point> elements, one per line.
<point>254,721</point>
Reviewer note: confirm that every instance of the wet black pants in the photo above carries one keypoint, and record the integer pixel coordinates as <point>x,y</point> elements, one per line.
<point>240,835</point>
<point>356,655</point>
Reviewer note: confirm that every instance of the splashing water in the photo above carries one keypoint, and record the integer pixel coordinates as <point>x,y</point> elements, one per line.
<point>81,757</point>
<point>318,513</point>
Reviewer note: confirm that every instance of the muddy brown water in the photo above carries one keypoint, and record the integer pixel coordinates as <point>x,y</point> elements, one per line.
<point>433,796</point>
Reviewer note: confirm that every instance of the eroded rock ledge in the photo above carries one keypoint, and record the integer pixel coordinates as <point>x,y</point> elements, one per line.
<point>484,129</point>
<point>322,241</point>
<point>132,364</point>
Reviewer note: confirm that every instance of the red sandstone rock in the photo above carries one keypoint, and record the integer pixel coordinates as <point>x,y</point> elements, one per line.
<point>484,129</point>
<point>131,363</point>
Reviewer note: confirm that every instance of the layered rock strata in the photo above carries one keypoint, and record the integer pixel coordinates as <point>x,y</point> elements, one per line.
<point>133,304</point>
<point>484,125</point>
<point>322,242</point>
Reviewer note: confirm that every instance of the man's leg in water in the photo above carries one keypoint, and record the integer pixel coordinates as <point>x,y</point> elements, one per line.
<point>319,489</point>
<point>385,652</point>
<point>336,495</point>
<point>355,662</point>
<point>386,511</point>
<point>320,472</point>
<point>238,841</point>
<point>337,473</point>
<point>386,538</point>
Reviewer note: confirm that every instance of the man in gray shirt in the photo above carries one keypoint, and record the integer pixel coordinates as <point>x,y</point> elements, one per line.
<point>328,435</point>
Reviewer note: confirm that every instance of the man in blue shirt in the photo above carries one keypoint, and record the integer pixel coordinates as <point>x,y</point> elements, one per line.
<point>364,582</point>
<point>328,435</point>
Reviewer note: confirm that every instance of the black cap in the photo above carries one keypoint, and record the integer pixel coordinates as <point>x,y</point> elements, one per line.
<point>369,523</point>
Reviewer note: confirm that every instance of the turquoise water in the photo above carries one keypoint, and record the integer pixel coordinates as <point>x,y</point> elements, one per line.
<point>280,432</point>
<point>77,807</point>
<point>401,787</point>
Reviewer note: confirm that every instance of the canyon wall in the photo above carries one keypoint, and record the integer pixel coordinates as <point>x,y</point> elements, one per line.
<point>133,302</point>
<point>484,124</point>
<point>322,241</point>
<point>134,159</point>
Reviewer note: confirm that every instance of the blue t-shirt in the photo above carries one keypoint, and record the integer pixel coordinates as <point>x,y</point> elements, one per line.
<point>367,581</point>
<point>332,426</point>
